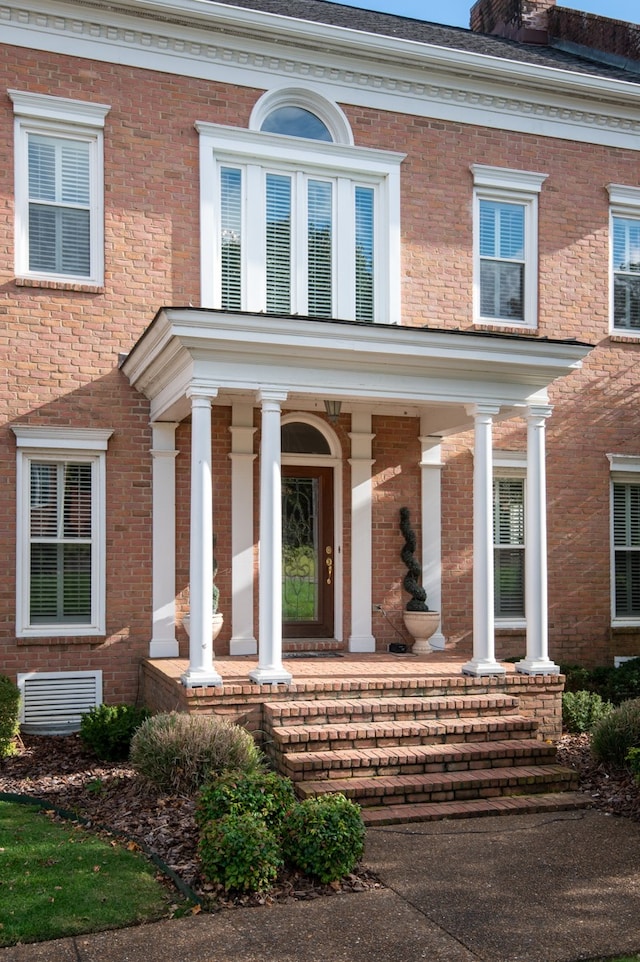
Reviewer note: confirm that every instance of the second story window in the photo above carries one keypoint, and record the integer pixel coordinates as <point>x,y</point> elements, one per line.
<point>59,191</point>
<point>625,258</point>
<point>506,245</point>
<point>296,224</point>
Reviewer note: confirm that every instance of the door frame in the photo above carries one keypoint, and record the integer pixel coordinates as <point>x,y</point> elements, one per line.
<point>332,460</point>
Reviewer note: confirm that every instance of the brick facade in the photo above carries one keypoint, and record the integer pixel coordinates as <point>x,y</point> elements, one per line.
<point>62,345</point>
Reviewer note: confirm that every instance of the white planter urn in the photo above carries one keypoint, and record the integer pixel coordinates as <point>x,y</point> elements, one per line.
<point>421,625</point>
<point>218,620</point>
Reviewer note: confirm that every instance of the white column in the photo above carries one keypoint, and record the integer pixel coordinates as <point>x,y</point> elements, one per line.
<point>270,669</point>
<point>243,641</point>
<point>201,671</point>
<point>484,660</point>
<point>361,637</point>
<point>536,661</point>
<point>163,453</point>
<point>431,470</point>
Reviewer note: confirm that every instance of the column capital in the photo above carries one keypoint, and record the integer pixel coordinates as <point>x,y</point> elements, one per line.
<point>482,410</point>
<point>537,412</point>
<point>267,395</point>
<point>200,397</point>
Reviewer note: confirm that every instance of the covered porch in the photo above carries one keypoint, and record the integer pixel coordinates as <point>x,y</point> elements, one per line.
<point>190,360</point>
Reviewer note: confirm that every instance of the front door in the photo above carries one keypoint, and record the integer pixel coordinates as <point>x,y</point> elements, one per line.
<point>307,552</point>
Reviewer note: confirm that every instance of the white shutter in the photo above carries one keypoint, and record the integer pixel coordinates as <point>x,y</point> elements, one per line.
<point>364,263</point>
<point>231,238</point>
<point>278,243</point>
<point>319,248</point>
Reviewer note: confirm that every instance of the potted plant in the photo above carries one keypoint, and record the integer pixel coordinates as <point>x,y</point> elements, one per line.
<point>420,622</point>
<point>218,617</point>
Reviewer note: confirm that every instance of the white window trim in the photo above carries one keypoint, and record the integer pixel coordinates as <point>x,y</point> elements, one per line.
<point>624,469</point>
<point>61,444</point>
<point>511,464</point>
<point>59,117</point>
<point>332,116</point>
<point>516,187</point>
<point>623,202</point>
<point>226,146</point>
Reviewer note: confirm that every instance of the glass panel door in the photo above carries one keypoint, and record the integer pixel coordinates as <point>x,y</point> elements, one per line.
<point>307,552</point>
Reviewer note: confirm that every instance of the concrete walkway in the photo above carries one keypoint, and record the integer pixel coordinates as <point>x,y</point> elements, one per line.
<point>526,888</point>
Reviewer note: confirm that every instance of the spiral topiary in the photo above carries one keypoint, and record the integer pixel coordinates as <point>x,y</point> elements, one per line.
<point>410,580</point>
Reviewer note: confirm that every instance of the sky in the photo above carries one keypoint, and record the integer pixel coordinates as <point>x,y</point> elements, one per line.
<point>455,13</point>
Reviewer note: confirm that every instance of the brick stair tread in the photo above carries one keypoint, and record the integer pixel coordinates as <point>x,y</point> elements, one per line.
<point>474,808</point>
<point>290,736</point>
<point>357,759</point>
<point>388,705</point>
<point>381,786</point>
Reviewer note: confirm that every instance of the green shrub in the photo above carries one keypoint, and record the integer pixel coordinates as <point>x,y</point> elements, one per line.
<point>265,794</point>
<point>107,730</point>
<point>633,761</point>
<point>9,716</point>
<point>624,682</point>
<point>618,732</point>
<point>179,753</point>
<point>577,678</point>
<point>582,709</point>
<point>239,852</point>
<point>324,836</point>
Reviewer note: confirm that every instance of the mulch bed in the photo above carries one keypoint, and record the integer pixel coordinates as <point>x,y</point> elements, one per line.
<point>112,796</point>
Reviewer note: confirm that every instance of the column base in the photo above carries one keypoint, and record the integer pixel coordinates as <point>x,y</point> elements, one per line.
<point>478,667</point>
<point>270,676</point>
<point>362,643</point>
<point>201,679</point>
<point>537,666</point>
<point>243,646</point>
<point>164,649</point>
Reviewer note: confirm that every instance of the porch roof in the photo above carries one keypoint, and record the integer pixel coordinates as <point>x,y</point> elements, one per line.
<point>387,368</point>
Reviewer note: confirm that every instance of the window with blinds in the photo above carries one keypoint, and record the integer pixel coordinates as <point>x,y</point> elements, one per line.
<point>626,273</point>
<point>502,260</point>
<point>508,547</point>
<point>297,262</point>
<point>626,542</point>
<point>60,542</point>
<point>59,206</point>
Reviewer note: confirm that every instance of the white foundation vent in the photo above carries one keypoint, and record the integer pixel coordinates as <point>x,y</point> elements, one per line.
<point>54,701</point>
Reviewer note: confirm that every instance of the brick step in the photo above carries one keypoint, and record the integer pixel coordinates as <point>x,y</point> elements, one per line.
<point>383,734</point>
<point>474,808</point>
<point>445,786</point>
<point>416,759</point>
<point>396,707</point>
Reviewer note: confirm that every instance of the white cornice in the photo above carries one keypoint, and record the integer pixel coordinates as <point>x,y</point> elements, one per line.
<point>203,39</point>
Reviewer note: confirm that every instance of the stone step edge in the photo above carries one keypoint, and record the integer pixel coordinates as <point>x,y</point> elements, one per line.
<point>447,752</point>
<point>289,735</point>
<point>303,707</point>
<point>381,786</point>
<point>474,808</point>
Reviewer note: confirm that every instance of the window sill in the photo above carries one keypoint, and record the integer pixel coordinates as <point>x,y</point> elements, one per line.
<point>624,338</point>
<point>49,641</point>
<point>516,624</point>
<point>60,285</point>
<point>626,626</point>
<point>504,327</point>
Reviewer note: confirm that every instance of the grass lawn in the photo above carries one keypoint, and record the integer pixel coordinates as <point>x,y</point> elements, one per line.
<point>57,879</point>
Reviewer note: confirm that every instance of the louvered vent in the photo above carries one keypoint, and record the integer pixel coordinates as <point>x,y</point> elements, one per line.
<point>53,702</point>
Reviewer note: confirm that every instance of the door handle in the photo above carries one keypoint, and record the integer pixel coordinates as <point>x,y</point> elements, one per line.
<point>329,564</point>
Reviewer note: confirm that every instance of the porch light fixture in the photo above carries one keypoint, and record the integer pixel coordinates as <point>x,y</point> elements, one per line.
<point>333,409</point>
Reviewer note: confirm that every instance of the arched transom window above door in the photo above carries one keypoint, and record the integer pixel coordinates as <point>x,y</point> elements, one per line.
<point>296,219</point>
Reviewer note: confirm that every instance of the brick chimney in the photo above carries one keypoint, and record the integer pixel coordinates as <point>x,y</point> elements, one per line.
<point>524,20</point>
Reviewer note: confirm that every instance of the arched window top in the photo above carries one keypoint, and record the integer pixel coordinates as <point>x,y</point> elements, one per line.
<point>299,437</point>
<point>297,112</point>
<point>296,122</point>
